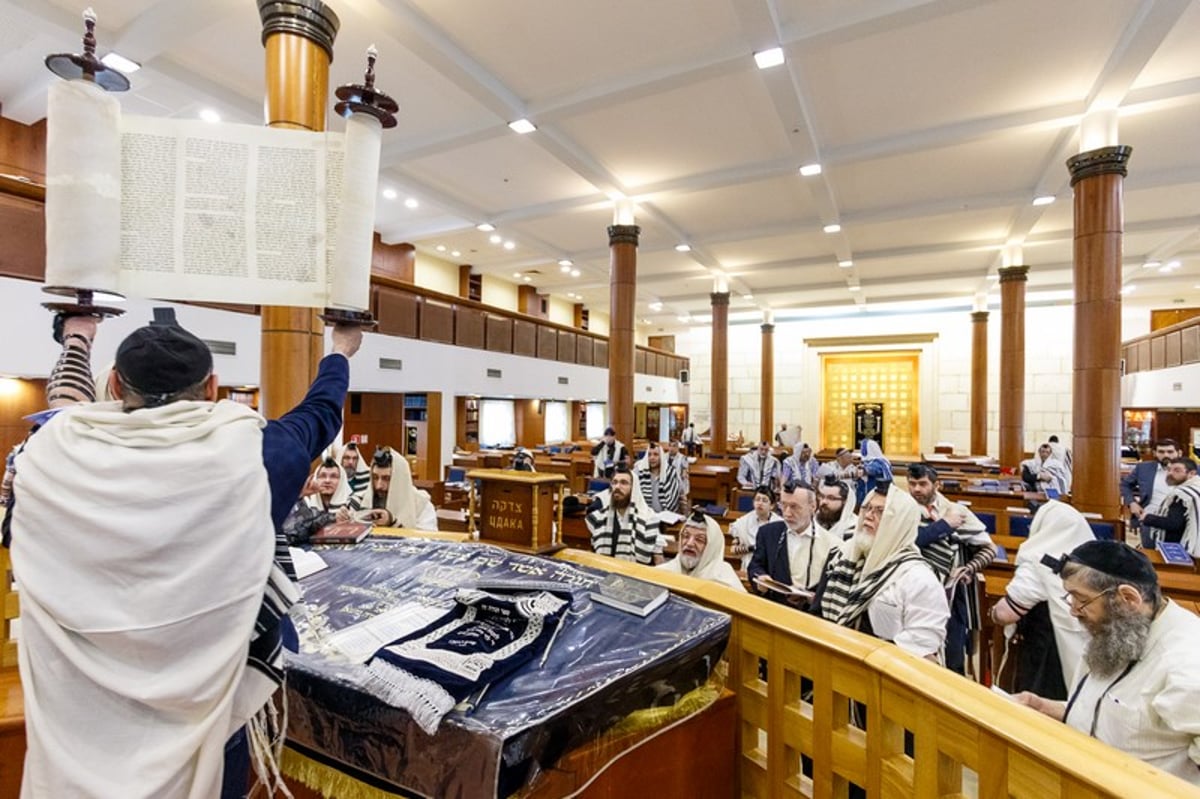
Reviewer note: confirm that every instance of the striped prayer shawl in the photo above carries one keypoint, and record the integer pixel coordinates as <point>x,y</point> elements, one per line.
<point>637,538</point>
<point>846,593</point>
<point>668,487</point>
<point>1189,494</point>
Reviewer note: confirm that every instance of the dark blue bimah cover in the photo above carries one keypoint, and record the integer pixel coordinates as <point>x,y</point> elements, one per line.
<point>603,664</point>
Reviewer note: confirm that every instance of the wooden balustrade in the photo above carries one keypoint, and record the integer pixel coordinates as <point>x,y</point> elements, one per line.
<point>1176,345</point>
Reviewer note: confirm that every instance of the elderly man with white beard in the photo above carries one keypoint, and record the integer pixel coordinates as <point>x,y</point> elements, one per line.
<point>878,583</point>
<point>702,553</point>
<point>1139,688</point>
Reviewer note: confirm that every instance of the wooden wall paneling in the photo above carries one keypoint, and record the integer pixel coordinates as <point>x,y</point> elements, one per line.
<point>566,346</point>
<point>1158,352</point>
<point>437,322</point>
<point>1129,355</point>
<point>380,417</point>
<point>639,362</point>
<point>23,149</point>
<point>397,261</point>
<point>499,333</point>
<point>1190,344</point>
<point>1173,345</point>
<point>469,327</point>
<point>530,425</point>
<point>600,353</point>
<point>398,312</point>
<point>547,343</point>
<point>583,350</point>
<point>1165,317</point>
<point>22,237</point>
<point>525,338</point>
<point>18,398</point>
<point>1143,356</point>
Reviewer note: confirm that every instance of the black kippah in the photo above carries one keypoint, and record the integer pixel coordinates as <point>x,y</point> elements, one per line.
<point>1115,559</point>
<point>160,360</point>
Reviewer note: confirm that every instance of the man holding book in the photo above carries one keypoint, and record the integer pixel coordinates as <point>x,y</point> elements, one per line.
<point>326,500</point>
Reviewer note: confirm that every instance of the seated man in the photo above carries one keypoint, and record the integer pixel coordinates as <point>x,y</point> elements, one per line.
<point>679,463</point>
<point>878,583</point>
<point>1146,485</point>
<point>1176,519</point>
<point>358,474</point>
<point>759,467</point>
<point>744,530</point>
<point>845,469</point>
<point>1045,471</point>
<point>1139,688</point>
<point>792,551</point>
<point>392,500</point>
<point>326,500</point>
<point>608,455</point>
<point>800,466</point>
<point>620,523</point>
<point>658,482</point>
<point>835,510</point>
<point>522,460</point>
<point>702,553</point>
<point>957,548</point>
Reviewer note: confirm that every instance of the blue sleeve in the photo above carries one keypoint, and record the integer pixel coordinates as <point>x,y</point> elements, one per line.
<point>292,442</point>
<point>934,531</point>
<point>1129,484</point>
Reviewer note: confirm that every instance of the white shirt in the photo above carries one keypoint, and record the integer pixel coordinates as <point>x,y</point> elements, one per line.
<point>1161,489</point>
<point>745,531</point>
<point>1153,713</point>
<point>911,610</point>
<point>807,552</point>
<point>1033,583</point>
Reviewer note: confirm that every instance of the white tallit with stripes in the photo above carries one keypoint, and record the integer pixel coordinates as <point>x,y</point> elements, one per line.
<point>1187,492</point>
<point>143,543</point>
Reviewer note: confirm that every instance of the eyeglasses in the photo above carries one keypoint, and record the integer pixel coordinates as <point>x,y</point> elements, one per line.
<point>1077,606</point>
<point>872,510</point>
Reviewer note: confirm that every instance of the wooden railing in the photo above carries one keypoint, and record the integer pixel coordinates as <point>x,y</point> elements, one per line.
<point>958,728</point>
<point>1176,345</point>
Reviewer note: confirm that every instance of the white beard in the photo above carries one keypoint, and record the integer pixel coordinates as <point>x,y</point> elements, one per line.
<point>862,543</point>
<point>689,562</point>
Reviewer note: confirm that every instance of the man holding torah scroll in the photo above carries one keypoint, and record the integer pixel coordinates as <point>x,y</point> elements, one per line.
<point>152,608</point>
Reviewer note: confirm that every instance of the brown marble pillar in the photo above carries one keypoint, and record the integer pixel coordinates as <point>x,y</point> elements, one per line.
<point>1097,177</point>
<point>979,382</point>
<point>298,39</point>
<point>1012,364</point>
<point>766,425</point>
<point>622,250</point>
<point>719,430</point>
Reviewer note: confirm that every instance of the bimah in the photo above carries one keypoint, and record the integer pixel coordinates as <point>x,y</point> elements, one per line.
<point>520,511</point>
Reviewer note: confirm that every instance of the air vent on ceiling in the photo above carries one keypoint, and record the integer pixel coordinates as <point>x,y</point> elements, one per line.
<point>493,373</point>
<point>562,381</point>
<point>391,363</point>
<point>221,347</point>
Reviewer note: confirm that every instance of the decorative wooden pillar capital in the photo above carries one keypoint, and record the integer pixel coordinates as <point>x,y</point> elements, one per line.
<point>1013,274</point>
<point>720,298</point>
<point>1102,161</point>
<point>767,329</point>
<point>623,234</point>
<point>979,317</point>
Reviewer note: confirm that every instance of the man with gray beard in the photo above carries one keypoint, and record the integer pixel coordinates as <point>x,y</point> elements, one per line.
<point>1139,689</point>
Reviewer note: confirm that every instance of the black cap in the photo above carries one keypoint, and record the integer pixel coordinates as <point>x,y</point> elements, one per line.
<point>1112,558</point>
<point>160,360</point>
<point>609,431</point>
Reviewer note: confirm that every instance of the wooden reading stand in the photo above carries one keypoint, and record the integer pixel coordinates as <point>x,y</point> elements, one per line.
<point>517,509</point>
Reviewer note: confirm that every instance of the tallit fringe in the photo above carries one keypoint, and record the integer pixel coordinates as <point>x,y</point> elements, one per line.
<point>265,733</point>
<point>425,700</point>
<point>328,781</point>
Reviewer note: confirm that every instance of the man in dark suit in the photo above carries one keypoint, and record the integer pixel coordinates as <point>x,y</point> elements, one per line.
<point>1146,486</point>
<point>792,551</point>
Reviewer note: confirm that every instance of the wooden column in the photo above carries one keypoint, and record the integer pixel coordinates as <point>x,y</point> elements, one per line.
<point>1098,178</point>
<point>766,425</point>
<point>1012,364</point>
<point>622,249</point>
<point>298,39</point>
<point>720,371</point>
<point>979,374</point>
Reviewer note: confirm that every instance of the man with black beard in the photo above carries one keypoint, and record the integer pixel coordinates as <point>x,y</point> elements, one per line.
<point>835,511</point>
<point>1140,685</point>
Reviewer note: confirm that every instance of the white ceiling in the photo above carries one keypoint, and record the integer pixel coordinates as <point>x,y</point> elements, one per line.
<point>936,123</point>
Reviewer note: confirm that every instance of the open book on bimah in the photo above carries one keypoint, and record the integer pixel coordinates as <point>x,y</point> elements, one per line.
<point>629,594</point>
<point>771,584</point>
<point>342,533</point>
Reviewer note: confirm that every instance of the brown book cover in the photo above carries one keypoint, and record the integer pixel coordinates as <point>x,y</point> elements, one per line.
<point>342,533</point>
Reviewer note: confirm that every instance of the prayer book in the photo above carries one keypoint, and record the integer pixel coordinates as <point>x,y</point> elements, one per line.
<point>629,594</point>
<point>342,533</point>
<point>1174,553</point>
<point>306,562</point>
<point>669,517</point>
<point>771,584</point>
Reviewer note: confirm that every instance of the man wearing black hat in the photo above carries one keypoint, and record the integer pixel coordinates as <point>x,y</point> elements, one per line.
<point>144,534</point>
<point>1139,688</point>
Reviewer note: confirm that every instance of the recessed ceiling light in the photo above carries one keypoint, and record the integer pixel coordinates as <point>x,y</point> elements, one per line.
<point>510,245</point>
<point>769,58</point>
<point>575,273</point>
<point>656,306</point>
<point>210,115</point>
<point>389,194</point>
<point>565,267</point>
<point>565,262</point>
<point>747,296</point>
<point>495,238</point>
<point>527,279</point>
<point>486,227</point>
<point>120,63</point>
<point>683,248</point>
<point>809,170</point>
<point>441,248</point>
<point>834,228</point>
<point>516,274</point>
<point>1045,199</point>
<point>1151,264</point>
<point>684,318</point>
<point>846,264</point>
<point>993,276</point>
<point>522,126</point>
<point>1173,264</point>
<point>856,288</point>
<point>455,253</point>
<point>1167,268</point>
<point>411,202</point>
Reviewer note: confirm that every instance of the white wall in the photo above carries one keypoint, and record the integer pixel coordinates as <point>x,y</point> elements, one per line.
<point>435,274</point>
<point>945,373</point>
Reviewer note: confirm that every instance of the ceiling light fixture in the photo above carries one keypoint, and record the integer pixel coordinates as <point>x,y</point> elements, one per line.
<point>856,288</point>
<point>1151,264</point>
<point>527,279</point>
<point>846,264</point>
<point>769,58</point>
<point>411,202</point>
<point>565,262</point>
<point>510,245</point>
<point>441,248</point>
<point>683,248</point>
<point>834,228</point>
<point>1173,264</point>
<point>522,125</point>
<point>455,253</point>
<point>565,268</point>
<point>516,274</point>
<point>1045,199</point>
<point>389,194</point>
<point>809,170</point>
<point>210,115</point>
<point>747,296</point>
<point>656,306</point>
<point>485,227</point>
<point>120,63</point>
<point>1128,290</point>
<point>575,273</point>
<point>684,317</point>
<point>495,238</point>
